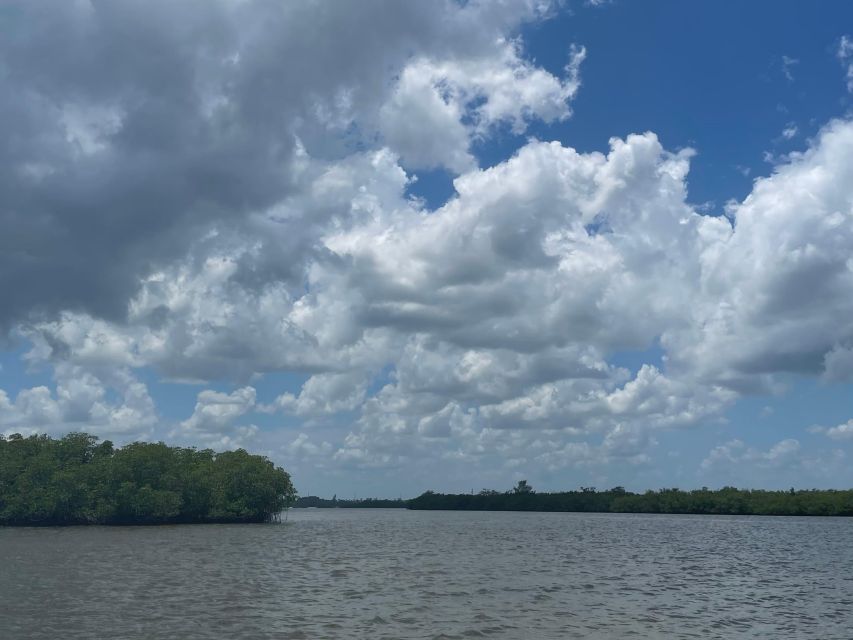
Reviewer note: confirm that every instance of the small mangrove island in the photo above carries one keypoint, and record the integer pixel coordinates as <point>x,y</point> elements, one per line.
<point>725,501</point>
<point>79,480</point>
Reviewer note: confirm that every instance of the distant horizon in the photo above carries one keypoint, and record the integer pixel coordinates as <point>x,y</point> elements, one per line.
<point>578,489</point>
<point>702,502</point>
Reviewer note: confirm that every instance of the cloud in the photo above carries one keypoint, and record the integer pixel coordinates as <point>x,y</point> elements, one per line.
<point>214,416</point>
<point>108,403</point>
<point>120,159</point>
<point>838,364</point>
<point>324,393</point>
<point>498,311</point>
<point>788,63</point>
<point>303,448</point>
<point>841,432</point>
<point>237,205</point>
<point>735,452</point>
<point>439,106</point>
<point>845,56</point>
<point>775,287</point>
<point>781,465</point>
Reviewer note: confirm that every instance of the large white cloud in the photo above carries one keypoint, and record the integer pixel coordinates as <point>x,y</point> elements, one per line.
<point>775,290</point>
<point>213,420</point>
<point>130,128</point>
<point>781,465</point>
<point>237,206</point>
<point>499,310</point>
<point>438,105</point>
<point>108,401</point>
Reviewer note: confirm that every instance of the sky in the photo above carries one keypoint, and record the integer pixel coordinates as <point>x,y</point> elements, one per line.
<point>449,245</point>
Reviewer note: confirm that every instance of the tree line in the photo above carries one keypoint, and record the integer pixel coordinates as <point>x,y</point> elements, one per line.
<point>728,501</point>
<point>79,480</point>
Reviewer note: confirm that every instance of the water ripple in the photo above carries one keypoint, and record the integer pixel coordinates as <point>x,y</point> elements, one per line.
<point>398,574</point>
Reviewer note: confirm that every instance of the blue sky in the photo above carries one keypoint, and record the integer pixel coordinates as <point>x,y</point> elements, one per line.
<point>371,265</point>
<point>726,81</point>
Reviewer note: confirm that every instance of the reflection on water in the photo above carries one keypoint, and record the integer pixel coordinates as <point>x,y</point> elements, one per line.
<point>398,574</point>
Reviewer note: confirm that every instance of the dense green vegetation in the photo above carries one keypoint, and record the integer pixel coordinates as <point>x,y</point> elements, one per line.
<point>728,500</point>
<point>360,503</point>
<point>78,480</point>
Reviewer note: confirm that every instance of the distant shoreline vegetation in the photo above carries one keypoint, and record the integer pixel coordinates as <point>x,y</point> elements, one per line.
<point>725,501</point>
<point>522,497</point>
<point>78,480</point>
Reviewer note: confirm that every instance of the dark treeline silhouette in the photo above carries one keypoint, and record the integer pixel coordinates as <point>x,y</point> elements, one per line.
<point>729,500</point>
<point>361,503</point>
<point>77,480</point>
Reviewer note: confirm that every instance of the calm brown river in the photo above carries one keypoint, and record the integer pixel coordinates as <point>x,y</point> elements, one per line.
<point>415,574</point>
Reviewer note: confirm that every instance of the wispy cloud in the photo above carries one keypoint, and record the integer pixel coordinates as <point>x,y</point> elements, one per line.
<point>788,65</point>
<point>790,131</point>
<point>845,55</point>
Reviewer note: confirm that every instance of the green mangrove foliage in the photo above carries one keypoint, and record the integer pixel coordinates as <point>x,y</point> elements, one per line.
<point>729,500</point>
<point>78,480</point>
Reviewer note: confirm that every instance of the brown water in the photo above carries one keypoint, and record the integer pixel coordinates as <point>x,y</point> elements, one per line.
<point>416,574</point>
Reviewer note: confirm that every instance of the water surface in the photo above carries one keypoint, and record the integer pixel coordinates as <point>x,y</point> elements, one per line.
<point>349,573</point>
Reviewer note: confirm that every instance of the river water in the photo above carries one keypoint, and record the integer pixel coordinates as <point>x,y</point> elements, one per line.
<point>348,573</point>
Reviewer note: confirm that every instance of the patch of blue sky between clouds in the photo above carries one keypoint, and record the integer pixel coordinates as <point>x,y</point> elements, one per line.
<point>16,374</point>
<point>633,360</point>
<point>700,75</point>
